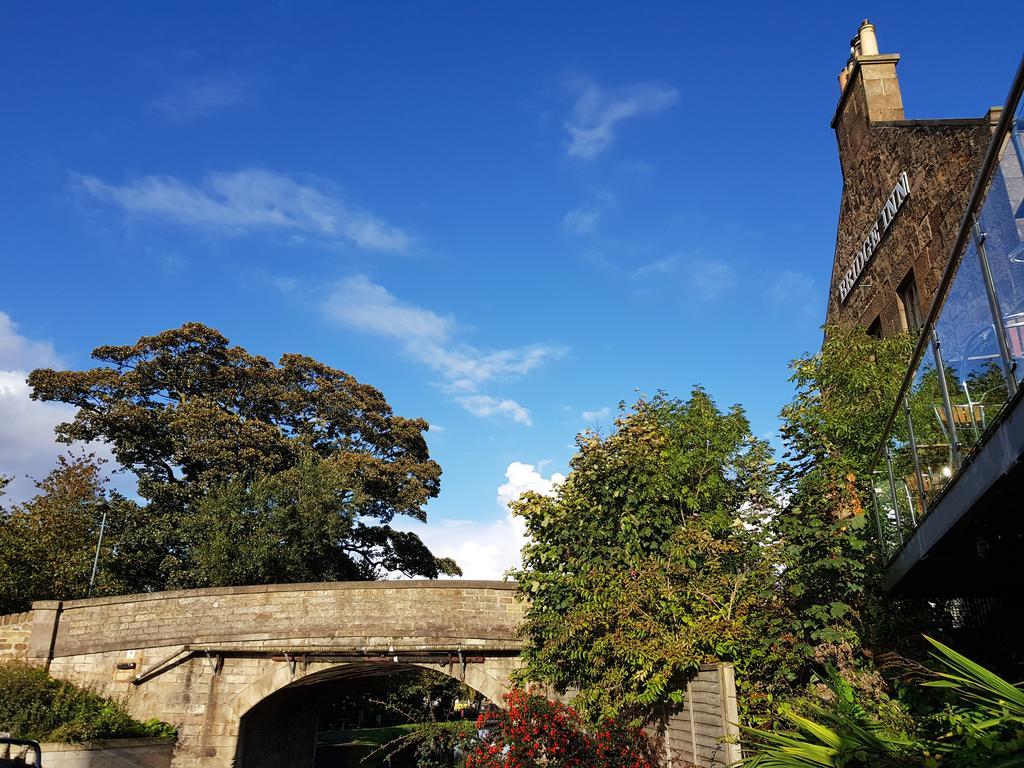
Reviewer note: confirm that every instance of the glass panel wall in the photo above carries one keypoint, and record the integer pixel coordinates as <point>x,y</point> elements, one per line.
<point>971,357</point>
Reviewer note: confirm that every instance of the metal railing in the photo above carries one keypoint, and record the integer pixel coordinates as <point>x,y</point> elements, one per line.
<point>967,364</point>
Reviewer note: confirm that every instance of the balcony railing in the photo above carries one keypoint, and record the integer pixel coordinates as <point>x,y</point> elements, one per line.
<point>969,360</point>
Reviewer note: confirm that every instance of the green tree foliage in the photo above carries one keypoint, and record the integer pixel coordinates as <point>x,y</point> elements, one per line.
<point>35,706</point>
<point>641,566</point>
<point>832,430</point>
<point>228,446</point>
<point>48,543</point>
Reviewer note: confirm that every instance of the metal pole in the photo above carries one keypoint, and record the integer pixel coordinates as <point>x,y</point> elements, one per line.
<point>96,559</point>
<point>878,522</point>
<point>892,493</point>
<point>947,405</point>
<point>912,441</point>
<point>1015,138</point>
<point>910,502</point>
<point>993,305</point>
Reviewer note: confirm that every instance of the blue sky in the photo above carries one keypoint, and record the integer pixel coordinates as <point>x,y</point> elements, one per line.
<point>507,217</point>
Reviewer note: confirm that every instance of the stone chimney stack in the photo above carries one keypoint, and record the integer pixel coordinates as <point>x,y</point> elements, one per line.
<point>869,91</point>
<point>874,74</point>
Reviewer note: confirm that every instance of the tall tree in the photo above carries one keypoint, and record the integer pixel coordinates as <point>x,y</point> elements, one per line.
<point>832,429</point>
<point>203,424</point>
<point>641,566</point>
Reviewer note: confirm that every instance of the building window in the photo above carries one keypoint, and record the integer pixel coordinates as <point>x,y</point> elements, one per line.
<point>910,304</point>
<point>875,329</point>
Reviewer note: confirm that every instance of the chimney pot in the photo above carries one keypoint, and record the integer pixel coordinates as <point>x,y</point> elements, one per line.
<point>866,36</point>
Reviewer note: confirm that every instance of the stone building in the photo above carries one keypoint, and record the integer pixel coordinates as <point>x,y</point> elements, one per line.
<point>906,183</point>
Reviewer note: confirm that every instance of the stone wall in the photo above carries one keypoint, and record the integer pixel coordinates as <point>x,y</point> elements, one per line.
<point>120,753</point>
<point>15,629</point>
<point>202,659</point>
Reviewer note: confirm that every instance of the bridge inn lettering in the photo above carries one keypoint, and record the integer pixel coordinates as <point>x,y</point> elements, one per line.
<point>874,237</point>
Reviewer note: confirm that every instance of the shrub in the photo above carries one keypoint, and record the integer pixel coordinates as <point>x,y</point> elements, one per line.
<point>535,731</point>
<point>33,705</point>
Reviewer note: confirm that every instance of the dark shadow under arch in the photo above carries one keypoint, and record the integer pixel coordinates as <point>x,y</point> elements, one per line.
<point>281,729</point>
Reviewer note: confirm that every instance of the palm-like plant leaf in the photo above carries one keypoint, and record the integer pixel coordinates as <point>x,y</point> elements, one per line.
<point>995,695</point>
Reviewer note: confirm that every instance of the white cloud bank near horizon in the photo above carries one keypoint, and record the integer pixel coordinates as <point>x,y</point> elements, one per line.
<point>487,550</point>
<point>430,338</point>
<point>27,444</point>
<point>251,200</point>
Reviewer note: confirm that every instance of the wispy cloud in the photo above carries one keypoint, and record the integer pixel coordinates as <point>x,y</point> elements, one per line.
<point>601,414</point>
<point>708,278</point>
<point>485,405</point>
<point>201,98</point>
<point>598,110</point>
<point>429,338</point>
<point>583,220</point>
<point>247,201</point>
<point>663,266</point>
<point>790,286</point>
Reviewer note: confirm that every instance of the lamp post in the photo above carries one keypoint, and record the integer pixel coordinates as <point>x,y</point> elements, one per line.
<point>99,543</point>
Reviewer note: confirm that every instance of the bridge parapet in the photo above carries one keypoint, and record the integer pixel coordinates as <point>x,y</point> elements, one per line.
<point>202,659</point>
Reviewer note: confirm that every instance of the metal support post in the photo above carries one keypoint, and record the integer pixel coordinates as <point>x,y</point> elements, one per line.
<point>878,521</point>
<point>892,493</point>
<point>947,404</point>
<point>918,474</point>
<point>993,305</point>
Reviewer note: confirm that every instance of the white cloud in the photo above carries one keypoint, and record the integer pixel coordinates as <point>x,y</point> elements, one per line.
<point>365,306</point>
<point>27,444</point>
<point>19,352</point>
<point>487,550</point>
<point>790,286</point>
<point>601,414</point>
<point>520,478</point>
<point>584,219</point>
<point>581,221</point>
<point>657,267</point>
<point>708,278</point>
<point>246,201</point>
<point>429,338</point>
<point>201,98</point>
<point>485,405</point>
<point>598,110</point>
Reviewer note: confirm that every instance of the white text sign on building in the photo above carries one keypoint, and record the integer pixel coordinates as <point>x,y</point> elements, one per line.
<point>874,236</point>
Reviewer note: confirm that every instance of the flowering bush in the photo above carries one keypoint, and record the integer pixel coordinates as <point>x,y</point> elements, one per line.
<point>534,732</point>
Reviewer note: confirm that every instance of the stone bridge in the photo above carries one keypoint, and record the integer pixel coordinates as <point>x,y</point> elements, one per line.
<point>239,670</point>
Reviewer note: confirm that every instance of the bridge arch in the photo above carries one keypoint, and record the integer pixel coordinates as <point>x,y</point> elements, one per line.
<point>491,683</point>
<point>277,713</point>
<point>202,659</point>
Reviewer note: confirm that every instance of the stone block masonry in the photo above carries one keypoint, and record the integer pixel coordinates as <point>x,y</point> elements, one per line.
<point>15,630</point>
<point>203,659</point>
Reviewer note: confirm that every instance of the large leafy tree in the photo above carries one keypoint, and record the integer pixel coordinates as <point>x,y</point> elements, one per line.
<point>642,566</point>
<point>237,456</point>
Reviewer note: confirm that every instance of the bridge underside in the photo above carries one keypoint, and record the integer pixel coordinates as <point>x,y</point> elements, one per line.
<point>282,729</point>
